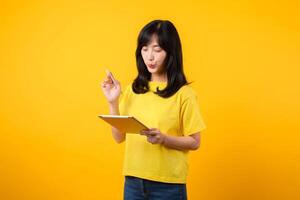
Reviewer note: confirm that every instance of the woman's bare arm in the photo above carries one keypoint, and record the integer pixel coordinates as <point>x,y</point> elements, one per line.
<point>117,135</point>
<point>190,142</point>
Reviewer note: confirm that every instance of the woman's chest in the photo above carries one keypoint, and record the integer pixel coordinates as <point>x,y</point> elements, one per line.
<point>157,112</point>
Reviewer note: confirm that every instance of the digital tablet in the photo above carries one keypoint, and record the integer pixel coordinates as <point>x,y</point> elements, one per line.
<point>127,124</point>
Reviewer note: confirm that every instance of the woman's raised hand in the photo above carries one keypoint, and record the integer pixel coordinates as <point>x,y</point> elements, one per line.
<point>111,88</point>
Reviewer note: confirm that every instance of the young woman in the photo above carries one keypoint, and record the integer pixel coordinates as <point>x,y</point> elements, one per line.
<point>155,164</point>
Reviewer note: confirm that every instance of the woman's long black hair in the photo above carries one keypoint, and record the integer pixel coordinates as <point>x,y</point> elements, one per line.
<point>168,40</point>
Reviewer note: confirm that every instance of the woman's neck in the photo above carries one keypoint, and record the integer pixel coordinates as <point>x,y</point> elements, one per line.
<point>159,77</point>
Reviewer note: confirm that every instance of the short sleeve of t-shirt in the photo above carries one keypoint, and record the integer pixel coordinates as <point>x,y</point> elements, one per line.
<point>191,119</point>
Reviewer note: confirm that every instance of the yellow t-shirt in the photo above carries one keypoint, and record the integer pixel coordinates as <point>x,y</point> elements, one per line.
<point>177,115</point>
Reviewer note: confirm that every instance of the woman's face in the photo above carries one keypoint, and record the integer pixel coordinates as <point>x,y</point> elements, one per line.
<point>154,56</point>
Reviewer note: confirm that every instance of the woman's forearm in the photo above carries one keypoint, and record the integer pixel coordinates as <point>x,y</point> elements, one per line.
<point>117,135</point>
<point>182,142</point>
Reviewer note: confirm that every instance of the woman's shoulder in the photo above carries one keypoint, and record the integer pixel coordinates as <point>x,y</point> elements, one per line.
<point>126,91</point>
<point>187,91</point>
<point>127,86</point>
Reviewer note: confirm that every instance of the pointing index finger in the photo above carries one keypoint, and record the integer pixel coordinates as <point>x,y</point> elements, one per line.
<point>110,75</point>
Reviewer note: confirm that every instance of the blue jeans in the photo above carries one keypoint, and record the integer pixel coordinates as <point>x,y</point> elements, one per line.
<point>142,189</point>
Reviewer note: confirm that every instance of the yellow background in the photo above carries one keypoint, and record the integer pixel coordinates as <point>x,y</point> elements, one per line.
<point>243,57</point>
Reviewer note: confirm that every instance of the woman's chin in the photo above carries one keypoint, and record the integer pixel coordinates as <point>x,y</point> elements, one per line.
<point>152,70</point>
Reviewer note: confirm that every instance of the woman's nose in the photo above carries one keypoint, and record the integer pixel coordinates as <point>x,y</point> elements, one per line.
<point>150,56</point>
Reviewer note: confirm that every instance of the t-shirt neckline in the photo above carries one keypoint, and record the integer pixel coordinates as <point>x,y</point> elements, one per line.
<point>154,84</point>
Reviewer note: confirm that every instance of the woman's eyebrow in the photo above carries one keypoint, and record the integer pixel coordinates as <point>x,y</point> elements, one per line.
<point>156,45</point>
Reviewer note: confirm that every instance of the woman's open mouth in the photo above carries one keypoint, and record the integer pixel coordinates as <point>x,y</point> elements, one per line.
<point>151,66</point>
